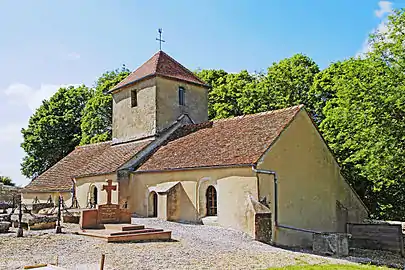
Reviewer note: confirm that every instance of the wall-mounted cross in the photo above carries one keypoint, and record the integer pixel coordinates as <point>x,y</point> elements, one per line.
<point>109,188</point>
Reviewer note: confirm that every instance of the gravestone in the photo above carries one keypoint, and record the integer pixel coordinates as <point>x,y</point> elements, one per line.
<point>105,213</point>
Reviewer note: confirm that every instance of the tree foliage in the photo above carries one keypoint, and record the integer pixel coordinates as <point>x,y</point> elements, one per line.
<point>364,125</point>
<point>286,83</point>
<point>365,119</point>
<point>6,181</point>
<point>96,123</point>
<point>53,130</point>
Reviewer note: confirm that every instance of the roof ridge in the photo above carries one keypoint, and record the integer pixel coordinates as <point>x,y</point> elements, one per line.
<point>135,70</point>
<point>258,114</point>
<point>159,57</point>
<point>183,67</point>
<point>92,144</point>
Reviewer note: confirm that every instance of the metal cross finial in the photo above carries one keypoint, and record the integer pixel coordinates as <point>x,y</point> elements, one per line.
<point>160,38</point>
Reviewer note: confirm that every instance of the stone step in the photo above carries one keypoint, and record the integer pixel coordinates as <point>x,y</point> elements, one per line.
<point>150,236</point>
<point>123,227</point>
<point>146,230</point>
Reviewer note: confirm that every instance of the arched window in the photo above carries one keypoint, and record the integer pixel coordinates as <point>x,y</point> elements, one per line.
<point>211,201</point>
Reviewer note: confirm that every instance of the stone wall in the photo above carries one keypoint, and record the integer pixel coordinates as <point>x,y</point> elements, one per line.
<point>6,195</point>
<point>131,123</point>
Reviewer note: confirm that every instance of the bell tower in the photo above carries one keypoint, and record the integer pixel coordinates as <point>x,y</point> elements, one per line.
<point>154,96</point>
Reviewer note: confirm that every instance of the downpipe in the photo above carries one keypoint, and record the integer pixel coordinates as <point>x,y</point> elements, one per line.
<point>276,223</point>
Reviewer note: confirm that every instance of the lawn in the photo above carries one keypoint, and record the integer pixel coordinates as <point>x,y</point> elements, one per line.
<point>330,267</point>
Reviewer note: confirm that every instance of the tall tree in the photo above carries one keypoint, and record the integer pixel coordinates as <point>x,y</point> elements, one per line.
<point>6,181</point>
<point>96,124</point>
<point>53,130</point>
<point>365,125</point>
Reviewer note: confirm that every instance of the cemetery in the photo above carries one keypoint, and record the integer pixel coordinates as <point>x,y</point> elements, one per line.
<point>110,231</point>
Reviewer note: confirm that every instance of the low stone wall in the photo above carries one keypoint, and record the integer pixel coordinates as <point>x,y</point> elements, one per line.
<point>383,236</point>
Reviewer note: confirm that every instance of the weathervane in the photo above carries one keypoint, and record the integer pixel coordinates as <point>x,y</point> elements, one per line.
<point>160,38</point>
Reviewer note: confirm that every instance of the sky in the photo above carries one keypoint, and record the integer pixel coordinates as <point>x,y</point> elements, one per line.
<point>48,44</point>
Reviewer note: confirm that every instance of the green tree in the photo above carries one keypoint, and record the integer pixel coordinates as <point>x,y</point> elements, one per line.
<point>225,97</point>
<point>6,181</point>
<point>53,130</point>
<point>365,127</point>
<point>96,123</point>
<point>288,83</point>
<point>387,44</point>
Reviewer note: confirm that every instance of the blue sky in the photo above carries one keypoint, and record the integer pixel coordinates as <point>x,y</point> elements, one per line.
<point>46,44</point>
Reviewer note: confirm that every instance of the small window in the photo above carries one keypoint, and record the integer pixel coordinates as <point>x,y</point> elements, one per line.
<point>181,96</point>
<point>134,99</point>
<point>211,196</point>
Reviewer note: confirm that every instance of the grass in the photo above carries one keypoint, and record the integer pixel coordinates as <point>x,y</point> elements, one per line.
<point>331,267</point>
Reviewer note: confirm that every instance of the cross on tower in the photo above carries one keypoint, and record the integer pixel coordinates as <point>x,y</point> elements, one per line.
<point>160,38</point>
<point>109,188</point>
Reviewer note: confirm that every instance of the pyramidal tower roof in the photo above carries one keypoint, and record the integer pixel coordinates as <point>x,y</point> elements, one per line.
<point>160,64</point>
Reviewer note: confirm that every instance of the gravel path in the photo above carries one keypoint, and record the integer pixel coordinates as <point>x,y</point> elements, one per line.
<point>195,247</point>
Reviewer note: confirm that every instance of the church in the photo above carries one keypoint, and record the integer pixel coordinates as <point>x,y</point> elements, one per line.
<point>270,175</point>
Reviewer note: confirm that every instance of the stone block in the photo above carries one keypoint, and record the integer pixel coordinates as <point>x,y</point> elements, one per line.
<point>39,206</point>
<point>89,219</point>
<point>71,219</point>
<point>125,216</point>
<point>4,226</point>
<point>263,227</point>
<point>331,243</point>
<point>43,226</point>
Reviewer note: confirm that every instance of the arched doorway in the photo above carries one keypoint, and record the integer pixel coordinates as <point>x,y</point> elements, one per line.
<point>211,197</point>
<point>94,197</point>
<point>153,204</point>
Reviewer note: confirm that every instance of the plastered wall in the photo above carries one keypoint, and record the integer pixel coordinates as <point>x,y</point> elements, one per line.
<point>309,184</point>
<point>233,185</point>
<point>83,188</point>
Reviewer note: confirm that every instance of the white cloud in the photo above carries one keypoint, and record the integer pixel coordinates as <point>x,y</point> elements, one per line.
<point>385,8</point>
<point>17,102</point>
<point>23,94</point>
<point>74,55</point>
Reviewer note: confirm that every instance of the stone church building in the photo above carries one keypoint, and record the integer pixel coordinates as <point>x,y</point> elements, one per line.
<point>270,174</point>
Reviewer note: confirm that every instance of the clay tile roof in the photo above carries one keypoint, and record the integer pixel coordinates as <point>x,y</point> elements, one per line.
<point>234,141</point>
<point>160,64</point>
<point>92,159</point>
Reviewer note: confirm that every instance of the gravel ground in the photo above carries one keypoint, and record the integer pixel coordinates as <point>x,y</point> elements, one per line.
<point>194,247</point>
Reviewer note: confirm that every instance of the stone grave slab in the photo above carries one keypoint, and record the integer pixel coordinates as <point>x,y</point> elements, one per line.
<point>127,233</point>
<point>37,222</point>
<point>110,222</point>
